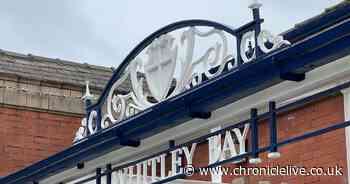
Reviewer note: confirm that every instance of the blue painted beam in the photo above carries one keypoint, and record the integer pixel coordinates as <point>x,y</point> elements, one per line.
<point>212,94</point>
<point>271,115</point>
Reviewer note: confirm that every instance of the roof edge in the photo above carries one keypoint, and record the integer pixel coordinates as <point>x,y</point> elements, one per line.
<point>330,16</point>
<point>55,60</point>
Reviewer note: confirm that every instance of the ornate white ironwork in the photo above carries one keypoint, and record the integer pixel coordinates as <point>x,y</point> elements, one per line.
<point>247,38</point>
<point>159,70</point>
<point>82,131</point>
<point>170,66</point>
<point>276,41</point>
<point>160,66</point>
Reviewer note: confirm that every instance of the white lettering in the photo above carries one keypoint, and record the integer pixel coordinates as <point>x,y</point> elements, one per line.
<point>175,162</point>
<point>162,166</point>
<point>153,163</point>
<point>242,138</point>
<point>228,147</point>
<point>189,154</point>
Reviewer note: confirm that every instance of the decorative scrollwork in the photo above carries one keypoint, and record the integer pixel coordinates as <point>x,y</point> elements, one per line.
<point>247,51</point>
<point>171,64</point>
<point>92,124</point>
<point>82,131</point>
<point>267,37</point>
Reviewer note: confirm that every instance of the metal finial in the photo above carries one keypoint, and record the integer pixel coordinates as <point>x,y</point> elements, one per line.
<point>88,95</point>
<point>254,4</point>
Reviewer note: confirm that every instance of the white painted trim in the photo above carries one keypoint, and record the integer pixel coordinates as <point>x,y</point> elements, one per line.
<point>346,94</point>
<point>214,147</point>
<point>318,80</point>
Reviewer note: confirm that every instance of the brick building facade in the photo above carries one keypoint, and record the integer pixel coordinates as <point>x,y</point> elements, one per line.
<point>127,138</point>
<point>325,151</point>
<point>41,106</point>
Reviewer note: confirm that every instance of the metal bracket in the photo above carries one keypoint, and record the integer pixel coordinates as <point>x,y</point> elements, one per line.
<point>125,141</point>
<point>129,142</point>
<point>293,76</point>
<point>80,165</point>
<point>200,115</point>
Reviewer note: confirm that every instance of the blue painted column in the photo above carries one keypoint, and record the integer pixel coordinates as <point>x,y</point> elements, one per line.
<point>273,132</point>
<point>254,137</point>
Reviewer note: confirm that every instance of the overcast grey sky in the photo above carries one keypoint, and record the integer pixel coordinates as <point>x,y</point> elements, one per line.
<point>103,32</point>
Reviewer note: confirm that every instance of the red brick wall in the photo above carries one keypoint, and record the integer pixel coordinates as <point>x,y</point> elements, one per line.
<point>327,150</point>
<point>29,136</point>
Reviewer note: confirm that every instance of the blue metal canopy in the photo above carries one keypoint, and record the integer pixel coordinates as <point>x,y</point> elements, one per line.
<point>316,43</point>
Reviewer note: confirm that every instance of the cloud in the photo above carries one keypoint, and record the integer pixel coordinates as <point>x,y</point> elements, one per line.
<point>104,32</point>
<point>53,29</point>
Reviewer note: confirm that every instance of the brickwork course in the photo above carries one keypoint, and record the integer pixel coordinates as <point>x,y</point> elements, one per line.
<point>328,150</point>
<point>41,106</point>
